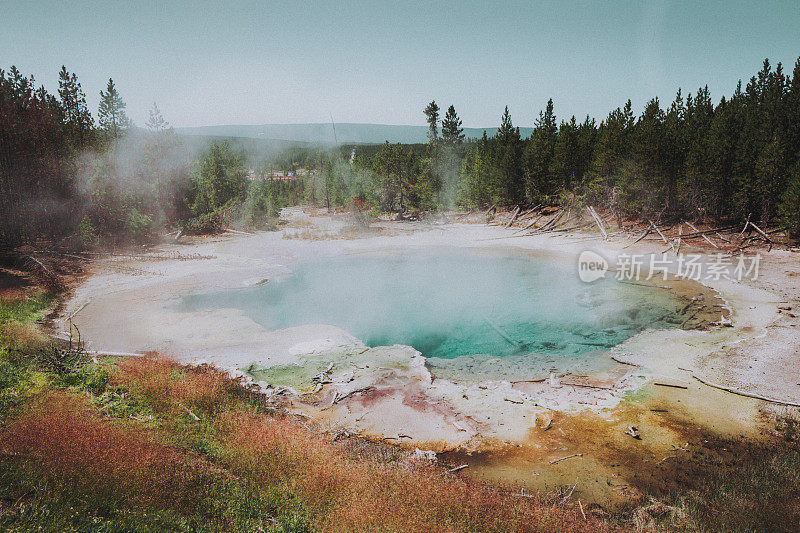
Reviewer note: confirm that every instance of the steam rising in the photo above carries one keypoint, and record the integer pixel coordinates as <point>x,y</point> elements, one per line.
<point>143,170</point>
<point>450,303</point>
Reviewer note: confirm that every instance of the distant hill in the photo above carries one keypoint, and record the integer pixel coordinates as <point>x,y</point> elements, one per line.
<point>199,142</point>
<point>256,150</point>
<point>323,133</point>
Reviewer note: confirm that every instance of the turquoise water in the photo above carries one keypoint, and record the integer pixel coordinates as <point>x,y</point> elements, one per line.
<point>452,303</point>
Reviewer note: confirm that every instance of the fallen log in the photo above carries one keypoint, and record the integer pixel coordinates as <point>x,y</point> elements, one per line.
<point>78,310</point>
<point>762,234</point>
<point>529,212</point>
<point>722,238</point>
<point>537,219</point>
<point>597,220</point>
<point>337,398</point>
<point>503,333</point>
<point>552,224</point>
<point>662,384</point>
<point>236,231</point>
<point>746,394</point>
<point>587,386</point>
<point>709,241</point>
<point>580,238</point>
<point>554,461</point>
<point>645,234</point>
<point>571,228</point>
<point>552,221</point>
<point>492,208</point>
<point>513,218</point>
<point>620,361</point>
<point>746,243</point>
<point>707,232</point>
<point>604,221</point>
<point>661,235</point>
<point>567,217</point>
<point>106,353</point>
<point>540,380</point>
<point>741,233</point>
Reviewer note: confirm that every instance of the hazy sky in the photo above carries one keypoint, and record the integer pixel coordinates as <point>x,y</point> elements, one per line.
<point>255,62</point>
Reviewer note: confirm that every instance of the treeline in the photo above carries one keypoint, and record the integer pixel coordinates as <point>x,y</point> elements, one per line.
<point>37,136</point>
<point>689,159</point>
<point>67,178</point>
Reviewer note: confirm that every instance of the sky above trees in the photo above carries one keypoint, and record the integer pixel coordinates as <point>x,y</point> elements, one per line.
<point>254,62</point>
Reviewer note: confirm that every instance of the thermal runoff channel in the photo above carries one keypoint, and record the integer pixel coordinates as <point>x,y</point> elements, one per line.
<point>454,303</point>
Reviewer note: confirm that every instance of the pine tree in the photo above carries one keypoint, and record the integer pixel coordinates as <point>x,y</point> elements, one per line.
<point>384,166</point>
<point>723,137</point>
<point>565,164</point>
<point>77,118</point>
<point>673,149</point>
<point>452,132</point>
<point>508,160</point>
<point>220,177</point>
<point>613,145</point>
<point>751,142</point>
<point>33,175</point>
<point>586,138</point>
<point>770,178</point>
<point>792,111</point>
<point>539,154</point>
<point>444,159</point>
<point>694,142</point>
<point>111,113</point>
<point>432,118</point>
<point>647,186</point>
<point>156,122</point>
<point>480,186</point>
<point>790,202</point>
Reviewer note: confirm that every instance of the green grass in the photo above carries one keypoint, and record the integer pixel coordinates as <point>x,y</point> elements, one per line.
<point>34,500</point>
<point>37,495</point>
<point>18,335</point>
<point>25,309</point>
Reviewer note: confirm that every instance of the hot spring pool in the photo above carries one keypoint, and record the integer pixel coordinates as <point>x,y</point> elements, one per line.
<point>453,303</point>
